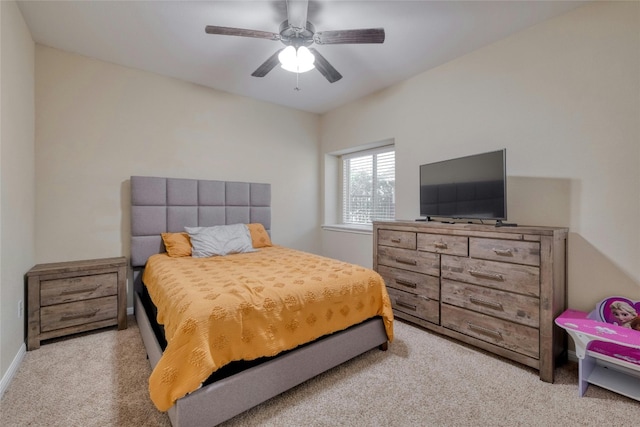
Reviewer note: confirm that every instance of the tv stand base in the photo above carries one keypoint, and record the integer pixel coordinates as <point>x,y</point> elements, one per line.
<point>505,224</point>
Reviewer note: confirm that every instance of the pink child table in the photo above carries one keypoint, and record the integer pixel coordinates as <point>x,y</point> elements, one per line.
<point>608,354</point>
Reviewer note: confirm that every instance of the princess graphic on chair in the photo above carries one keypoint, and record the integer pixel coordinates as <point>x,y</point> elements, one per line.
<point>623,312</point>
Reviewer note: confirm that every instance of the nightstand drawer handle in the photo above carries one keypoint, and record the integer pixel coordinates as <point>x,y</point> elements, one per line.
<point>503,252</point>
<point>396,240</point>
<point>80,315</point>
<point>441,245</point>
<point>485,331</point>
<point>485,275</point>
<point>406,261</point>
<point>80,291</point>
<point>405,305</point>
<point>491,304</point>
<point>406,283</point>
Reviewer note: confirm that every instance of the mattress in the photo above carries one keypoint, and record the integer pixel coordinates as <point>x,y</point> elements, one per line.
<point>244,307</point>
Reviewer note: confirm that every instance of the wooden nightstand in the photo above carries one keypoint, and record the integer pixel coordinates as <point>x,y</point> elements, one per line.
<point>70,297</point>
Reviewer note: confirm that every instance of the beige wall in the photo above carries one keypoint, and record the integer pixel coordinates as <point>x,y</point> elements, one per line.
<point>17,179</point>
<point>563,98</point>
<point>98,123</point>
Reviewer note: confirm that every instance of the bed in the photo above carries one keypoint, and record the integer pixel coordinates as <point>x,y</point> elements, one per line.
<point>167,205</point>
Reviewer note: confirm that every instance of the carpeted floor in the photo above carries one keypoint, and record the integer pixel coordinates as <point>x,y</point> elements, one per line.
<point>100,379</point>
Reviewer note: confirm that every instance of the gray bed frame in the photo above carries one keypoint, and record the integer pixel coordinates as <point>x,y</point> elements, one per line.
<point>168,205</point>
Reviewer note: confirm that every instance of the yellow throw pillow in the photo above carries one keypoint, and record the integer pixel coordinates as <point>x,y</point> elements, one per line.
<point>177,244</point>
<point>259,236</point>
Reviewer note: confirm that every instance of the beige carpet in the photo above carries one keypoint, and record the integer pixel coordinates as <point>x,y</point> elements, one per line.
<point>99,379</point>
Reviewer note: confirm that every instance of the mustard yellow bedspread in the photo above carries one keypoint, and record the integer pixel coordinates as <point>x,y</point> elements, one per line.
<point>245,306</point>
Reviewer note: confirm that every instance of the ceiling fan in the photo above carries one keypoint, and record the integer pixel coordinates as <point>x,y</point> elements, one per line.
<point>297,32</point>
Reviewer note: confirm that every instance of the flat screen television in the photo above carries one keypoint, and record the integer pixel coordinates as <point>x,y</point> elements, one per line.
<point>471,187</point>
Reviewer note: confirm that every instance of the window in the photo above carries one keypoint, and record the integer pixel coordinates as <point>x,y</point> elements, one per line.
<point>368,186</point>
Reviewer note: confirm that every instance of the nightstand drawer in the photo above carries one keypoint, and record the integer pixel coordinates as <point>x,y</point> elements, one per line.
<point>78,313</point>
<point>71,289</point>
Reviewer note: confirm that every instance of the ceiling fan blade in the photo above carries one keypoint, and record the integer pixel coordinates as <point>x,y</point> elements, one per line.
<point>230,31</point>
<point>366,35</point>
<point>297,13</point>
<point>325,68</point>
<point>267,65</point>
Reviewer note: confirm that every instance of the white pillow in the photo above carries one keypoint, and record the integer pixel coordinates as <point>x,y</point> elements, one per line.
<point>219,240</point>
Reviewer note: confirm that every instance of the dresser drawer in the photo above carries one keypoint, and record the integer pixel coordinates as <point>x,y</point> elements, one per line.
<point>408,281</point>
<point>421,262</point>
<point>397,239</point>
<point>442,244</point>
<point>77,288</point>
<point>78,313</point>
<point>521,279</point>
<point>415,305</point>
<point>505,305</point>
<point>513,251</point>
<point>519,338</point>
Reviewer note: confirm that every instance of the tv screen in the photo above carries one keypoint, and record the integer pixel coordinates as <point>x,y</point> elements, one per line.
<point>471,187</point>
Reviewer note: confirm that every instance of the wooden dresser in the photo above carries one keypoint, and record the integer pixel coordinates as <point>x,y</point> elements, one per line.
<point>497,288</point>
<point>69,297</point>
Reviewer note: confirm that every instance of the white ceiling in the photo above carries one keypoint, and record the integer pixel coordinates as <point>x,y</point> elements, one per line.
<point>168,38</point>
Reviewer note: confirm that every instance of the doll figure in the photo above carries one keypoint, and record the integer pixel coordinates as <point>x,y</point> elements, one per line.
<point>635,323</point>
<point>623,312</point>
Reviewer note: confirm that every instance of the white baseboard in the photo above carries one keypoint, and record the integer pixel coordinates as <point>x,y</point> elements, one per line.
<point>13,368</point>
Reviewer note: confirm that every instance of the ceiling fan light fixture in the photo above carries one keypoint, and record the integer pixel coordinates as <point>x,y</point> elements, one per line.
<point>296,61</point>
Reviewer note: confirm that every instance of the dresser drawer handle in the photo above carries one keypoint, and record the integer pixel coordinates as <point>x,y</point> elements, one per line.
<point>440,245</point>
<point>502,252</point>
<point>405,305</point>
<point>396,240</point>
<point>491,304</point>
<point>80,291</point>
<point>406,261</point>
<point>406,283</point>
<point>485,331</point>
<point>80,315</point>
<point>485,275</point>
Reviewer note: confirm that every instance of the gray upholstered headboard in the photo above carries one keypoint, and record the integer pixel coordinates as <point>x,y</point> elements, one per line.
<point>160,205</point>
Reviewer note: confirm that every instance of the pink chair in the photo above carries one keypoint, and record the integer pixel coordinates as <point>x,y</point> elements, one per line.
<point>607,345</point>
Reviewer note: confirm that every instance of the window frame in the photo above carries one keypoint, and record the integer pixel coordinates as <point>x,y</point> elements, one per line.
<point>343,182</point>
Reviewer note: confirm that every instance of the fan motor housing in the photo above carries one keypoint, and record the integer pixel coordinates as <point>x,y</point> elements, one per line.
<point>296,37</point>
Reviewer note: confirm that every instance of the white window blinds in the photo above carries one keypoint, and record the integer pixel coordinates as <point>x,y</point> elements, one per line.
<point>368,186</point>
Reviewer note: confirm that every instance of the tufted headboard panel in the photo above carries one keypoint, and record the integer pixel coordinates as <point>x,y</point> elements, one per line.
<point>160,205</point>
